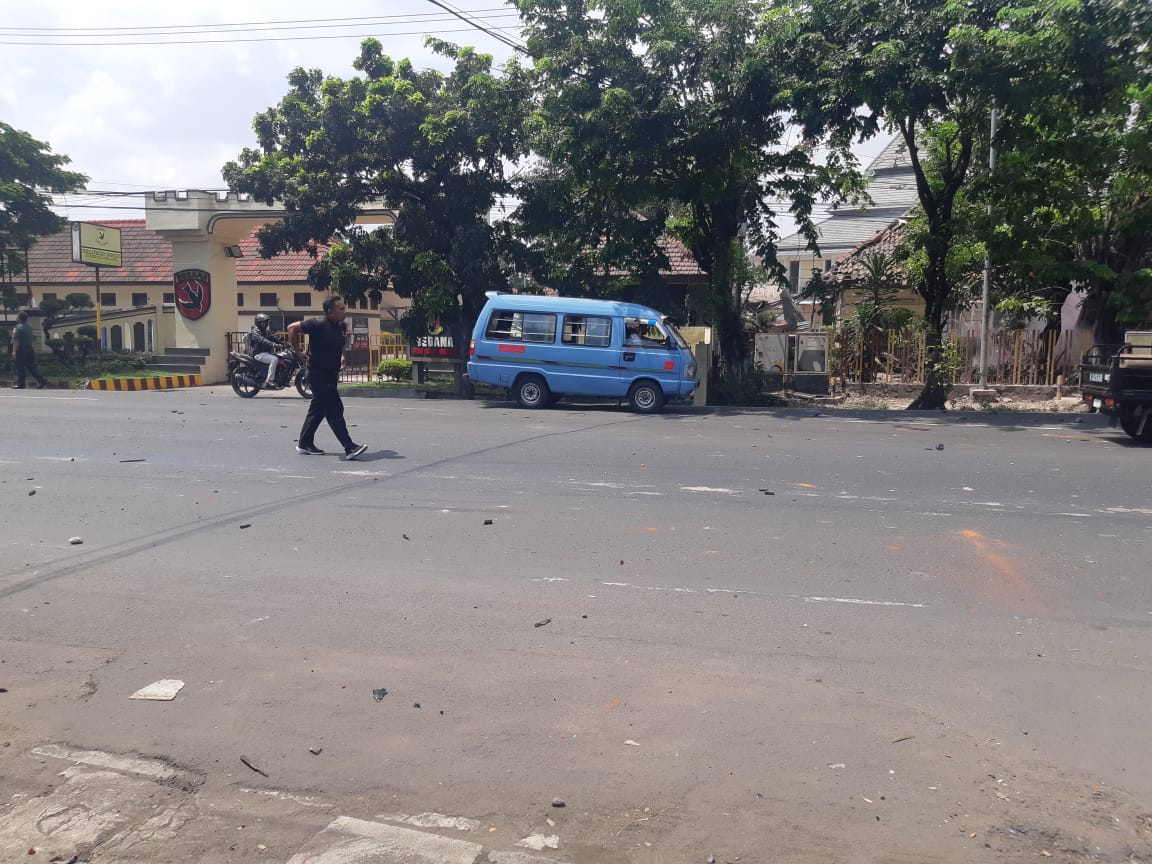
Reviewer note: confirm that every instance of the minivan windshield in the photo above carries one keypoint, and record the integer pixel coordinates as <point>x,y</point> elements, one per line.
<point>671,330</point>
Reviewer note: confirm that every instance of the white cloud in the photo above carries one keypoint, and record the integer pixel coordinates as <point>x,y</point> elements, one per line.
<point>169,116</point>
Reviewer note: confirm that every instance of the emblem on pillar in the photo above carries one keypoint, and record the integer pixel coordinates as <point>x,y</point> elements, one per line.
<point>193,293</point>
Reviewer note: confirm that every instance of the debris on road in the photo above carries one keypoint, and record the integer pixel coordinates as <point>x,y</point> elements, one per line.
<point>558,802</point>
<point>75,541</point>
<point>835,765</point>
<point>133,460</point>
<point>539,842</point>
<point>904,738</point>
<point>631,743</point>
<point>939,446</point>
<point>164,690</point>
<point>487,521</point>
<point>315,751</point>
<point>379,693</point>
<point>31,491</point>
<point>245,525</point>
<point>259,771</point>
<point>415,704</point>
<point>542,623</point>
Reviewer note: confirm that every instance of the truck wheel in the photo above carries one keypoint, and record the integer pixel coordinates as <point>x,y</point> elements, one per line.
<point>531,391</point>
<point>646,397</point>
<point>1130,423</point>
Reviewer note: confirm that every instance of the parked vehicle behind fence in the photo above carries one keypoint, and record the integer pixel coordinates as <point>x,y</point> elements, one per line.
<point>544,348</point>
<point>1116,380</point>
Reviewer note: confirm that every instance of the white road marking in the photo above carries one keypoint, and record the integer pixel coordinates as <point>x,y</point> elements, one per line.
<point>721,490</point>
<point>807,599</point>
<point>91,808</point>
<point>306,801</point>
<point>151,768</point>
<point>858,601</point>
<point>435,820</point>
<point>355,841</point>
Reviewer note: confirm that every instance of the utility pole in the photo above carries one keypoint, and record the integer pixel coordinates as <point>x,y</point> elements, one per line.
<point>986,294</point>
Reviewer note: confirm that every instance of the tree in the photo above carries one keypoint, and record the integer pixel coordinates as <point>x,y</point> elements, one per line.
<point>664,116</point>
<point>930,70</point>
<point>29,173</point>
<point>433,146</point>
<point>1071,197</point>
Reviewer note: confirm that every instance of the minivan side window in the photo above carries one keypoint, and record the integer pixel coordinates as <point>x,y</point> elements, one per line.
<point>509,326</point>
<point>587,330</point>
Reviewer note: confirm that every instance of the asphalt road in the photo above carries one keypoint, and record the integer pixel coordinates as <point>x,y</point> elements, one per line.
<point>753,635</point>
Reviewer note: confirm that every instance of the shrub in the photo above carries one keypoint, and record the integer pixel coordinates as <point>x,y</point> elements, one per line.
<point>395,369</point>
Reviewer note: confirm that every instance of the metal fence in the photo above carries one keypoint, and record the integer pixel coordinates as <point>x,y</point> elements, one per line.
<point>1014,357</point>
<point>360,360</point>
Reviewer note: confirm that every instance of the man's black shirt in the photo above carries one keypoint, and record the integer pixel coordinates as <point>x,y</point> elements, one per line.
<point>325,343</point>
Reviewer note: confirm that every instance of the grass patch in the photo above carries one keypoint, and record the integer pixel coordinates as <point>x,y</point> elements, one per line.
<point>108,376</point>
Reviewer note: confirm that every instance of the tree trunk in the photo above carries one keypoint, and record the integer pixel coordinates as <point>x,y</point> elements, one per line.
<point>934,396</point>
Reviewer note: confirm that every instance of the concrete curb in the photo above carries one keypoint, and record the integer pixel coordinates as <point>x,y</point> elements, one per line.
<point>163,382</point>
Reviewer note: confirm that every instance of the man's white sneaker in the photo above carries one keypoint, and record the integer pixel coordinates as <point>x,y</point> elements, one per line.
<point>355,451</point>
<point>309,451</point>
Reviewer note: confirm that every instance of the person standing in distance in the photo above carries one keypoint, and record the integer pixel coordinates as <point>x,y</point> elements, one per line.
<point>24,354</point>
<point>325,358</point>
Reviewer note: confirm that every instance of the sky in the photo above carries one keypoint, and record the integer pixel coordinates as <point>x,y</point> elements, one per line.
<point>169,113</point>
<point>147,96</point>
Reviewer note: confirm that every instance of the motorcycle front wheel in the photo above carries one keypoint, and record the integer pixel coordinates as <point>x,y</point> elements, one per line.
<point>303,387</point>
<point>244,389</point>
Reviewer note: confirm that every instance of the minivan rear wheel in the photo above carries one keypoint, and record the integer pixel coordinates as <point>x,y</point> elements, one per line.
<point>531,391</point>
<point>646,397</point>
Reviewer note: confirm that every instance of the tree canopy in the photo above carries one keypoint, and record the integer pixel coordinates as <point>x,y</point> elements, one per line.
<point>931,71</point>
<point>665,117</point>
<point>435,147</point>
<point>29,173</point>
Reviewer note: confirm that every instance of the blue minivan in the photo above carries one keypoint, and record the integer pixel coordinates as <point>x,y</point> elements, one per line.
<point>542,348</point>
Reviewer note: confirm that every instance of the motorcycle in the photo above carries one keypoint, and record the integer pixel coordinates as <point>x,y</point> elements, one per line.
<point>247,374</point>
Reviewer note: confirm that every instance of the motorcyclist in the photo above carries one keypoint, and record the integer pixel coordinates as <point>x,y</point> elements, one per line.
<point>263,344</point>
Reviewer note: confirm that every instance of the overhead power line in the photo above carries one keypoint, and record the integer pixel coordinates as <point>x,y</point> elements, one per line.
<point>515,43</point>
<point>318,21</point>
<point>488,21</point>
<point>231,41</point>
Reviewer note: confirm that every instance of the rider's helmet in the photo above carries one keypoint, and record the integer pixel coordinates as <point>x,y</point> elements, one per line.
<point>264,321</point>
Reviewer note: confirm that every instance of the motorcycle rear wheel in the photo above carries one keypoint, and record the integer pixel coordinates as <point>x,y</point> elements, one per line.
<point>303,387</point>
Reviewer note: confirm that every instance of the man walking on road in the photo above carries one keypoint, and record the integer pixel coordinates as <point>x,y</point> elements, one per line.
<point>24,354</point>
<point>325,360</point>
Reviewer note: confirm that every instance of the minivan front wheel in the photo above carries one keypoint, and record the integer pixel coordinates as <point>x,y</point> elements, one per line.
<point>531,391</point>
<point>646,397</point>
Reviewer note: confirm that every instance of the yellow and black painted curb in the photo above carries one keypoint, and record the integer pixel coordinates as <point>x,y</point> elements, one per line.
<point>162,382</point>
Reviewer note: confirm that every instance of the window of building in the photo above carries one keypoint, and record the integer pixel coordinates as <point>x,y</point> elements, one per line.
<point>373,301</point>
<point>240,299</point>
<point>169,297</point>
<point>587,330</point>
<point>48,295</point>
<point>139,299</point>
<point>828,262</point>
<point>268,299</point>
<point>508,326</point>
<point>302,298</point>
<point>794,274</point>
<point>107,299</point>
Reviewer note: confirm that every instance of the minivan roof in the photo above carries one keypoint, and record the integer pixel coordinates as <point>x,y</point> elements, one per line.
<point>580,305</point>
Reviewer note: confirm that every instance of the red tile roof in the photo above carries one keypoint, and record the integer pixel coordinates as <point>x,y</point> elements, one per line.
<point>147,259</point>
